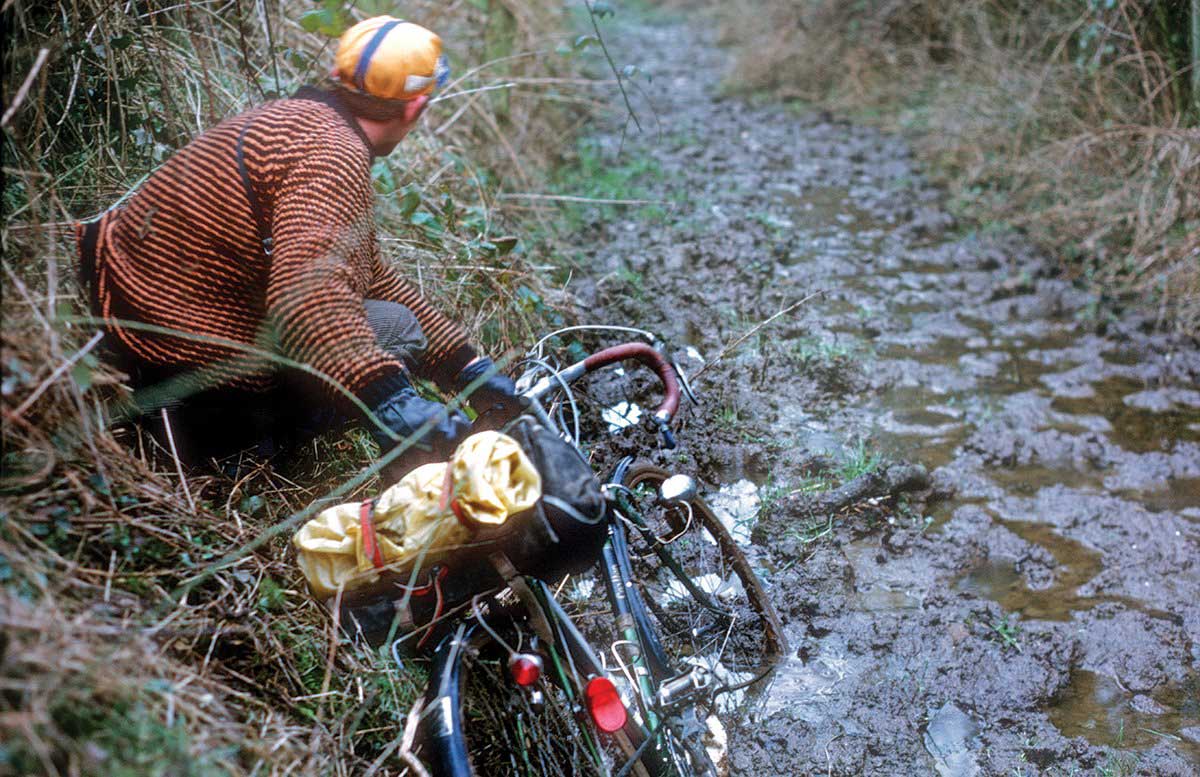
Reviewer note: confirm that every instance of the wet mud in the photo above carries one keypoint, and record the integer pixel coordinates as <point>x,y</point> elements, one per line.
<point>1031,605</point>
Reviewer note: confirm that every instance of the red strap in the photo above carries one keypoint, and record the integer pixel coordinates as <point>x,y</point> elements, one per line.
<point>449,500</point>
<point>370,545</point>
<point>439,607</point>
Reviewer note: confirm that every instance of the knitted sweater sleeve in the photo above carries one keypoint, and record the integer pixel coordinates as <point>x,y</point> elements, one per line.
<point>448,350</point>
<point>324,252</point>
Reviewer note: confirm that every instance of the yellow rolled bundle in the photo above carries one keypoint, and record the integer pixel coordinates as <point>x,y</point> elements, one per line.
<point>490,480</point>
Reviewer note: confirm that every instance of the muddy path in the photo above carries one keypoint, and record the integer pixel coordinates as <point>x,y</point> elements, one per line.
<point>1027,599</point>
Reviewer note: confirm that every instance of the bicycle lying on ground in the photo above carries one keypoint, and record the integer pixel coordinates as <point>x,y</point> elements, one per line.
<point>563,665</point>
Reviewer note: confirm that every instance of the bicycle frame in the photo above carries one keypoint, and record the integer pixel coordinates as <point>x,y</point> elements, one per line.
<point>657,684</point>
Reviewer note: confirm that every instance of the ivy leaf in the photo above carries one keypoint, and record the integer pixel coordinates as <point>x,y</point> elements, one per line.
<point>409,203</point>
<point>504,245</point>
<point>327,21</point>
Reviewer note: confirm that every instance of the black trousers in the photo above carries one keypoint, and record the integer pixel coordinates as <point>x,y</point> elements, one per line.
<point>221,421</point>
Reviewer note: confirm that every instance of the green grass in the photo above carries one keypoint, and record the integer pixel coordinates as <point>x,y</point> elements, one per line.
<point>1007,632</point>
<point>813,350</point>
<point>597,174</point>
<point>126,738</point>
<point>858,459</point>
<point>811,530</point>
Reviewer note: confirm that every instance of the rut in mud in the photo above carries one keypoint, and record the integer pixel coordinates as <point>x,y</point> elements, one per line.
<point>1005,580</point>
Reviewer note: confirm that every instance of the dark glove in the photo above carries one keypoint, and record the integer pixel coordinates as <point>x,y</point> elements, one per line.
<point>405,413</point>
<point>497,390</point>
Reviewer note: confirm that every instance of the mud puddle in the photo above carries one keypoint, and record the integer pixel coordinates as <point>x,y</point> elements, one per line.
<point>1036,608</point>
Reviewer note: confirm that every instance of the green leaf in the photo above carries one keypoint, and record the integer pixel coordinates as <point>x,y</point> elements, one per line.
<point>121,42</point>
<point>82,375</point>
<point>409,203</point>
<point>602,8</point>
<point>505,245</point>
<point>425,219</point>
<point>327,21</point>
<point>583,41</point>
<point>311,20</point>
<point>271,595</point>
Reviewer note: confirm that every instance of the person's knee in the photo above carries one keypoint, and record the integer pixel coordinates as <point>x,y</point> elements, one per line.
<point>397,330</point>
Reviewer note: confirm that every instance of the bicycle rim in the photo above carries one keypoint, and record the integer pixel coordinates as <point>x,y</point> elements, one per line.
<point>483,724</point>
<point>705,602</point>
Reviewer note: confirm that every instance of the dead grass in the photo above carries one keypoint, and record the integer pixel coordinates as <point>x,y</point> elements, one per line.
<point>1071,120</point>
<point>153,620</point>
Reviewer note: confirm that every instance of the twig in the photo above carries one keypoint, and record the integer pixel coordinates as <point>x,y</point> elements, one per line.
<point>49,381</point>
<point>108,579</point>
<point>729,348</point>
<point>405,743</point>
<point>187,492</point>
<point>266,23</point>
<point>465,92</point>
<point>333,641</point>
<point>410,735</point>
<point>611,64</point>
<point>23,92</point>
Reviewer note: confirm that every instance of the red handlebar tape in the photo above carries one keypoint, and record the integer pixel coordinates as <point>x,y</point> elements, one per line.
<point>651,358</point>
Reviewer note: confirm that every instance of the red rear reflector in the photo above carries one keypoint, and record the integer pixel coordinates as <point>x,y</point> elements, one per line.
<point>525,668</point>
<point>604,704</point>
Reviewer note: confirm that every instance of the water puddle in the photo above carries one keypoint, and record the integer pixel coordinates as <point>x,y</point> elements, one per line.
<point>1097,708</point>
<point>831,209</point>
<point>1179,495</point>
<point>1028,479</point>
<point>950,737</point>
<point>737,505</point>
<point>803,689</point>
<point>918,419</point>
<point>1136,427</point>
<point>1001,581</point>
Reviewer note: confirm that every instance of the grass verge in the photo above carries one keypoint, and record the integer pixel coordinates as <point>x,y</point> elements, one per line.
<point>143,633</point>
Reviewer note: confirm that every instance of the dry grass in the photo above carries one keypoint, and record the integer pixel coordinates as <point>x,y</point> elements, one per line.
<point>153,621</point>
<point>1070,119</point>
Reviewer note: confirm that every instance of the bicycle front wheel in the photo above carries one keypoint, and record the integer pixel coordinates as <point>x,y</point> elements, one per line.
<point>699,591</point>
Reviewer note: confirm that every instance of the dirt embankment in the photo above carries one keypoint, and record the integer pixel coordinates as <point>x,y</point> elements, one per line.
<point>975,495</point>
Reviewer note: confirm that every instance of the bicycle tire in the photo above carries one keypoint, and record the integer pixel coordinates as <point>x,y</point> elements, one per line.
<point>477,723</point>
<point>743,641</point>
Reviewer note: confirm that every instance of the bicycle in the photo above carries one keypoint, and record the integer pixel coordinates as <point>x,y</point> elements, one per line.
<point>517,684</point>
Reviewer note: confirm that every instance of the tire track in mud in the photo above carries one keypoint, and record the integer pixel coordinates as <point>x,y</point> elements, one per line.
<point>1034,608</point>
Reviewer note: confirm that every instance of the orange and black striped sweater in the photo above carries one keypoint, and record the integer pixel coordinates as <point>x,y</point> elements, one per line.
<point>183,253</point>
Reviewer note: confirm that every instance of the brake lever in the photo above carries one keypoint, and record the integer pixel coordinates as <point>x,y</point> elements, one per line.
<point>664,429</point>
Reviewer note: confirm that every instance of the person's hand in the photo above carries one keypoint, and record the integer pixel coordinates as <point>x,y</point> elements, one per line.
<point>405,413</point>
<point>495,391</point>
